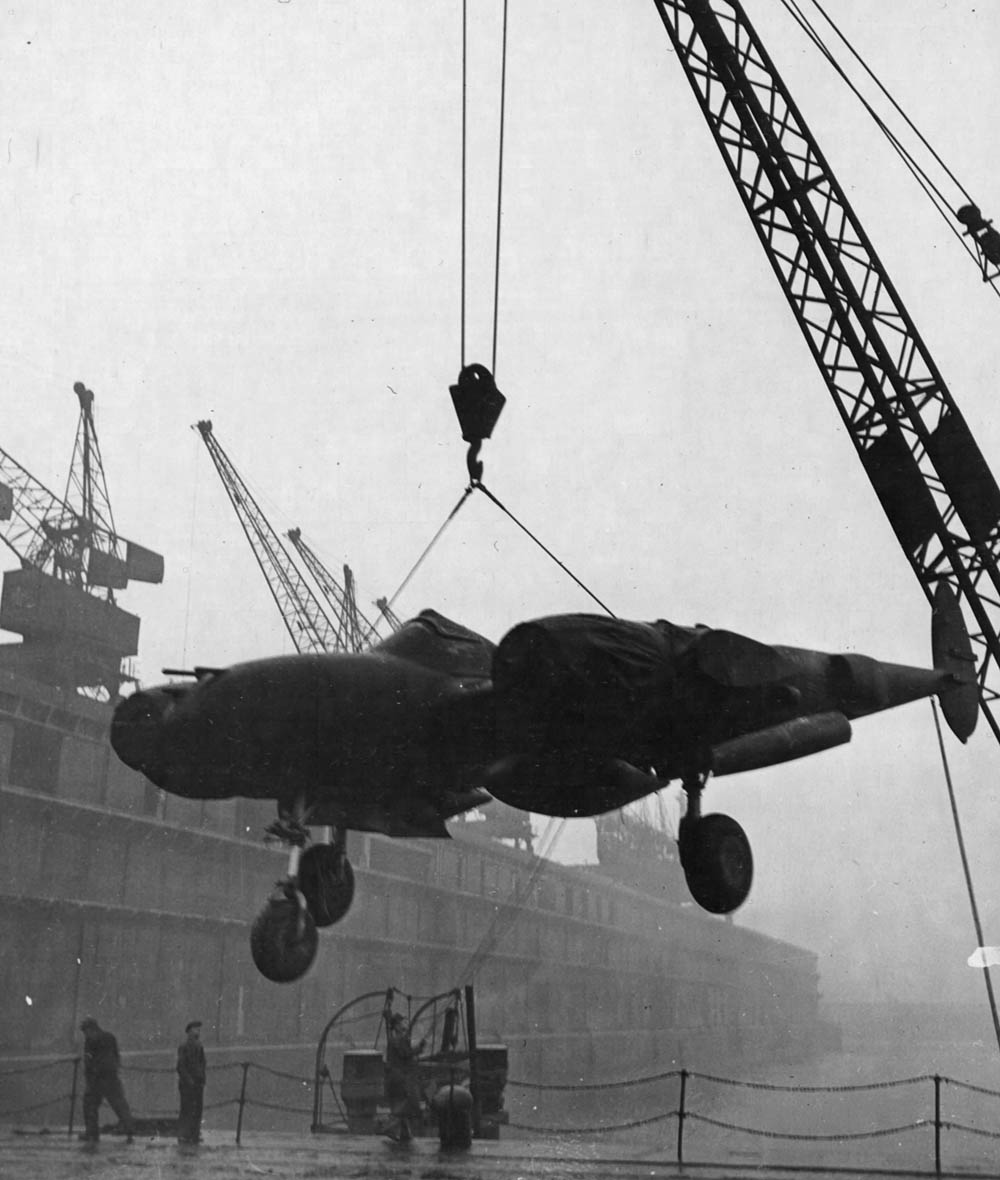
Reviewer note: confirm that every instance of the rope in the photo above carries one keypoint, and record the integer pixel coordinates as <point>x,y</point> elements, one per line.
<point>433,541</point>
<point>566,570</point>
<point>933,193</point>
<point>966,870</point>
<point>496,267</point>
<point>465,105</point>
<point>507,912</point>
<point>909,122</point>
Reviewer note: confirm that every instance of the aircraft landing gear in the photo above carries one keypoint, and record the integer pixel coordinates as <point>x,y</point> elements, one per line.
<point>283,938</point>
<point>715,855</point>
<point>326,880</point>
<point>318,891</point>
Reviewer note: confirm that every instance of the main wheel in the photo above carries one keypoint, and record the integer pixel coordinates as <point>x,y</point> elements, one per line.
<point>717,862</point>
<point>283,938</point>
<point>326,880</point>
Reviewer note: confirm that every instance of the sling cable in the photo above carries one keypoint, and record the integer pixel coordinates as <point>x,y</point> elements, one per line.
<point>477,400</point>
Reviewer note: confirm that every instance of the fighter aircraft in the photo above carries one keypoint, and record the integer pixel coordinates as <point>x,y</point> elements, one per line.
<point>571,715</point>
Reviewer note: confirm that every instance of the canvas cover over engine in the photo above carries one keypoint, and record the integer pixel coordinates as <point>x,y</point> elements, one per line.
<point>585,686</point>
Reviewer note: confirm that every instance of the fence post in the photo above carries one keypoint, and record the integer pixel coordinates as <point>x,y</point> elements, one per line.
<point>245,1065</point>
<point>937,1124</point>
<point>72,1096</point>
<point>680,1118</point>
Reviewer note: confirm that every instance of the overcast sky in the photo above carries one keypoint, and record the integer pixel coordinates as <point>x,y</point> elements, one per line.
<point>251,213</point>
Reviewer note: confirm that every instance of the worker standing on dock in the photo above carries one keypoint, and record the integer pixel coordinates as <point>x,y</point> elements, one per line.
<point>190,1083</point>
<point>101,1063</point>
<point>402,1080</point>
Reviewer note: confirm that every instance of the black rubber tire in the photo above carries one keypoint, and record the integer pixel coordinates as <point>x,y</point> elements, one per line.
<point>326,880</point>
<point>283,939</point>
<point>717,862</point>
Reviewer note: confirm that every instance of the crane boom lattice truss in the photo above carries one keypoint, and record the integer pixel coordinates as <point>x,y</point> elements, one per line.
<point>356,633</point>
<point>308,624</point>
<point>930,476</point>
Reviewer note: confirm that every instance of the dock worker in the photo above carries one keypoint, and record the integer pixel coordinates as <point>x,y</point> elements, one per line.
<point>402,1077</point>
<point>190,1083</point>
<point>101,1063</point>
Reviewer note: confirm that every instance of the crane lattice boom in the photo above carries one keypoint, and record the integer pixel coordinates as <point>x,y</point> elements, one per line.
<point>356,633</point>
<point>308,624</point>
<point>934,484</point>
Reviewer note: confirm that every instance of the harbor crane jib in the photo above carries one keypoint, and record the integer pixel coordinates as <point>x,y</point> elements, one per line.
<point>925,467</point>
<point>62,599</point>
<point>305,617</point>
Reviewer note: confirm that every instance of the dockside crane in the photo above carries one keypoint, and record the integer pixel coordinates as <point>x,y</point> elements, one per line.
<point>61,600</point>
<point>310,627</point>
<point>933,483</point>
<point>387,613</point>
<point>356,633</point>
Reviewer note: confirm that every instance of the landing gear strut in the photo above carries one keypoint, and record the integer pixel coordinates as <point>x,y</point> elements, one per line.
<point>715,855</point>
<point>317,891</point>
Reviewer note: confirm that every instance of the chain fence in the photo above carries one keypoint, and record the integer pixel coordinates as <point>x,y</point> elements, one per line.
<point>245,1097</point>
<point>264,1088</point>
<point>683,1114</point>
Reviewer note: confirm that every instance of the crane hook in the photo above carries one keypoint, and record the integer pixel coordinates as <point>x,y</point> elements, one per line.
<point>477,403</point>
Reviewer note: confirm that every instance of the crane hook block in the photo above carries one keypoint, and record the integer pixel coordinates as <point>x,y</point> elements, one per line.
<point>477,403</point>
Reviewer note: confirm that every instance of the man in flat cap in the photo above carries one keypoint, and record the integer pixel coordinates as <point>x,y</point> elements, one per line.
<point>101,1081</point>
<point>190,1083</point>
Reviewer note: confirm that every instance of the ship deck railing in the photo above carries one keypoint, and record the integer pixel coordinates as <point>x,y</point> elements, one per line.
<point>688,1111</point>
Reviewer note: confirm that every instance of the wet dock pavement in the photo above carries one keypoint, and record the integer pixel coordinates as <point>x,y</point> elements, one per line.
<point>55,1156</point>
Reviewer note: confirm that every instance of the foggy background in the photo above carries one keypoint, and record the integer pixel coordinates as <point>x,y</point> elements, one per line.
<point>251,213</point>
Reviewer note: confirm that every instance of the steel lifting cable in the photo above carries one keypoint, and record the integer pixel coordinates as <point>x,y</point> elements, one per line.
<point>496,264</point>
<point>464,171</point>
<point>965,869</point>
<point>430,545</point>
<point>465,106</point>
<point>933,193</point>
<point>477,485</point>
<point>508,911</point>
<point>489,495</point>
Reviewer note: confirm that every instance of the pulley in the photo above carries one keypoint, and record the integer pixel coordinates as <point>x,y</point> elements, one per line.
<point>477,403</point>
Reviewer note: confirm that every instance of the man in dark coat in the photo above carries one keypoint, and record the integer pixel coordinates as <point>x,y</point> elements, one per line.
<point>101,1081</point>
<point>190,1084</point>
<point>402,1077</point>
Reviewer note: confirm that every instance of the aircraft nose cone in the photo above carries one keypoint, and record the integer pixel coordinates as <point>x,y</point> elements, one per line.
<point>137,732</point>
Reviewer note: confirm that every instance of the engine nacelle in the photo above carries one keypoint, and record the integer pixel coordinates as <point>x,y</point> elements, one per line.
<point>567,787</point>
<point>781,743</point>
